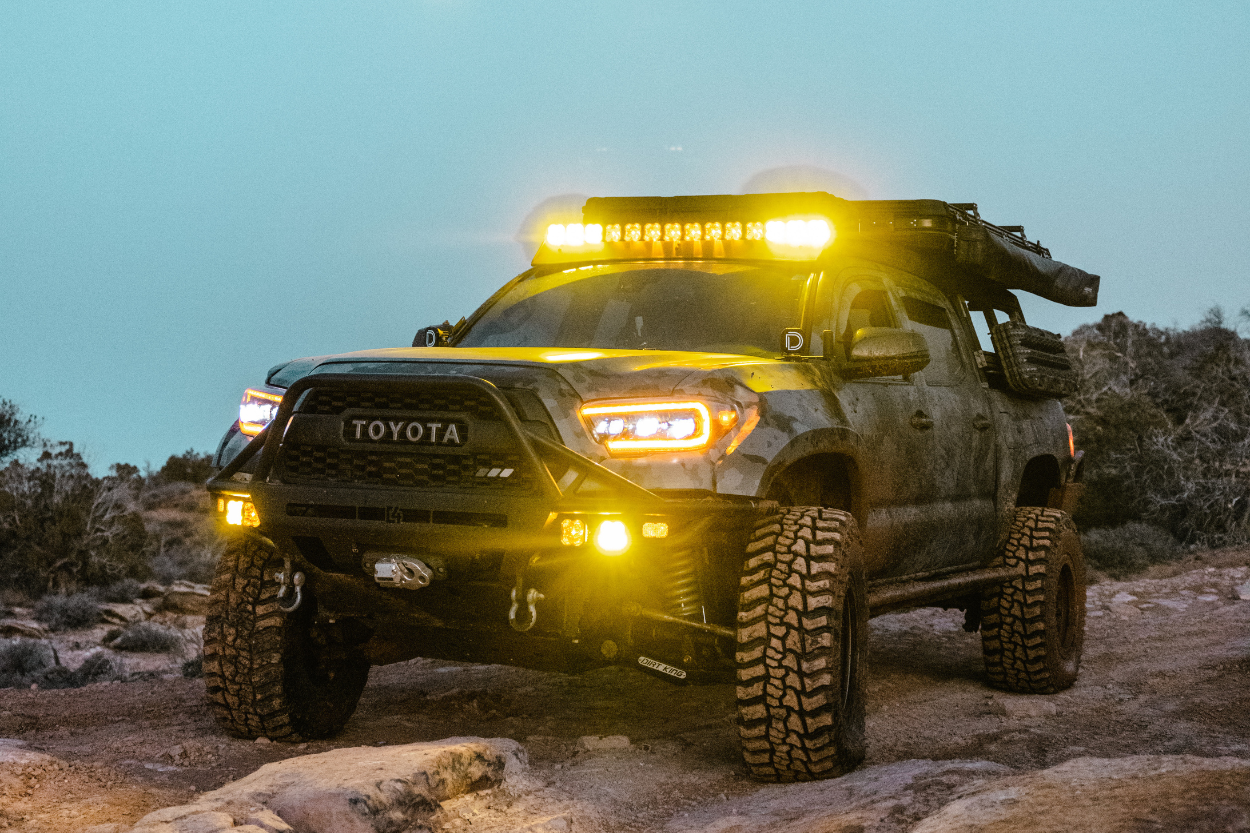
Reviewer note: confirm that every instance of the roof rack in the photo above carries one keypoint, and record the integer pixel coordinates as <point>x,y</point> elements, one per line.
<point>950,234</point>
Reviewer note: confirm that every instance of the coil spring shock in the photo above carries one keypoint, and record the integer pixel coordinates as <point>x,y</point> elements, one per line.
<point>682,596</point>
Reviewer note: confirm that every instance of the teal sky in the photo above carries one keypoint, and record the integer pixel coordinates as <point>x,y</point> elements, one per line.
<point>190,194</point>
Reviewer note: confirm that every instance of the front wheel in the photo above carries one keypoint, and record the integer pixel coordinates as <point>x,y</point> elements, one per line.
<point>802,646</point>
<point>269,673</point>
<point>1033,627</point>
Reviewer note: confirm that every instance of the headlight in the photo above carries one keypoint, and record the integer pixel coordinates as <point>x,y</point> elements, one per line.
<point>257,410</point>
<point>652,426</point>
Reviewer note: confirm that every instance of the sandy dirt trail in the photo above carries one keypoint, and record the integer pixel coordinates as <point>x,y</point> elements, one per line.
<point>1166,671</point>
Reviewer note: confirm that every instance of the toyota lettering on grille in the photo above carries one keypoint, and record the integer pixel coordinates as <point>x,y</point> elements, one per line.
<point>405,431</point>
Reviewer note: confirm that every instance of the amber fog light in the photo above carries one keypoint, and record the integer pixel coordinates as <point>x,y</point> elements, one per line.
<point>238,512</point>
<point>612,537</point>
<point>573,532</point>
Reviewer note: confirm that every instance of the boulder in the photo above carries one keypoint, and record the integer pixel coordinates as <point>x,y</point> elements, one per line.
<point>28,628</point>
<point>887,797</point>
<point>1084,795</point>
<point>186,597</point>
<point>1117,795</point>
<point>114,613</point>
<point>355,790</point>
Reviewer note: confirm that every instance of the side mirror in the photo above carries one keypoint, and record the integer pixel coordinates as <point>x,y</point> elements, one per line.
<point>886,351</point>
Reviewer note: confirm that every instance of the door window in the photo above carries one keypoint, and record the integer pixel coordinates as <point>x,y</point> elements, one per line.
<point>933,321</point>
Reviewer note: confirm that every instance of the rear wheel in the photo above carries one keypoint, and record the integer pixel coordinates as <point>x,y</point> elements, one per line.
<point>1033,628</point>
<point>802,645</point>
<point>269,673</point>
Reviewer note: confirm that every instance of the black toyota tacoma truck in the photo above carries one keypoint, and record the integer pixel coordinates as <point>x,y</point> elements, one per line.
<point>706,437</point>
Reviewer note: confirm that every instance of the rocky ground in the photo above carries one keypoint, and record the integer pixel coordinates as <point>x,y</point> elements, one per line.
<point>1166,674</point>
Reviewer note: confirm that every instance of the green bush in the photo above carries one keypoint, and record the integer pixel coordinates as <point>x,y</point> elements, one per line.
<point>64,613</point>
<point>1129,549</point>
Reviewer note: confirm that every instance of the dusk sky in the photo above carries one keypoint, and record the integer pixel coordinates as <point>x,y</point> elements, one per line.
<point>192,193</point>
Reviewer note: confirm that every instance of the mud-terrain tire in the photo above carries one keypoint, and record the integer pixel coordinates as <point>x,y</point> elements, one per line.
<point>802,646</point>
<point>1033,627</point>
<point>269,673</point>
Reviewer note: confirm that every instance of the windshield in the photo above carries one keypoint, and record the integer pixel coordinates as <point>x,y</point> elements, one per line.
<point>704,307</point>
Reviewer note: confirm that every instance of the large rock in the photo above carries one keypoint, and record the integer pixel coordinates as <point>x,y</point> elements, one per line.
<point>888,797</point>
<point>28,628</point>
<point>1118,795</point>
<point>186,597</point>
<point>116,613</point>
<point>1086,795</point>
<point>356,790</point>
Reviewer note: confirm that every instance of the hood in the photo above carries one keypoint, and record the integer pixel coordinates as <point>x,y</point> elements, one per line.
<point>593,374</point>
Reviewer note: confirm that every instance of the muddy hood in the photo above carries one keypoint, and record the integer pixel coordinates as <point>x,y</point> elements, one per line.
<point>592,374</point>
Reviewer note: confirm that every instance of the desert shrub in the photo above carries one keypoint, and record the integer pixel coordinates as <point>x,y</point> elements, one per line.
<point>62,530</point>
<point>188,467</point>
<point>1128,549</point>
<point>146,638</point>
<point>16,432</point>
<point>122,592</point>
<point>194,667</point>
<point>97,668</point>
<point>63,613</point>
<point>1164,418</point>
<point>22,659</point>
<point>27,662</point>
<point>195,563</point>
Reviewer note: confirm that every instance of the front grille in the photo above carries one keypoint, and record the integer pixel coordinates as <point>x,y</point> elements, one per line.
<point>336,401</point>
<point>304,463</point>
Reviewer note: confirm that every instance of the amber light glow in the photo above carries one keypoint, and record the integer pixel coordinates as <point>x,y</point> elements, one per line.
<point>612,537</point>
<point>238,511</point>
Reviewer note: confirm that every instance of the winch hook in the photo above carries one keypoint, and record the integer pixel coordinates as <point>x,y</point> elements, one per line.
<point>286,580</point>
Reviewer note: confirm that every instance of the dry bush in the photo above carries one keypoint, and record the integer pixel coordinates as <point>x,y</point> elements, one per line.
<point>1164,417</point>
<point>145,638</point>
<point>65,613</point>
<point>27,662</point>
<point>62,530</point>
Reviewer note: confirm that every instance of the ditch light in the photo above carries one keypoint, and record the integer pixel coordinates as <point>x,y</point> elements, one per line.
<point>237,510</point>
<point>610,536</point>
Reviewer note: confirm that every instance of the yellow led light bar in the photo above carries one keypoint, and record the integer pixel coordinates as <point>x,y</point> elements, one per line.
<point>650,426</point>
<point>257,410</point>
<point>795,237</point>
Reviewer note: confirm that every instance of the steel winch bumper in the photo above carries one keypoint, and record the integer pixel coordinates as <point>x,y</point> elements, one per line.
<point>477,560</point>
